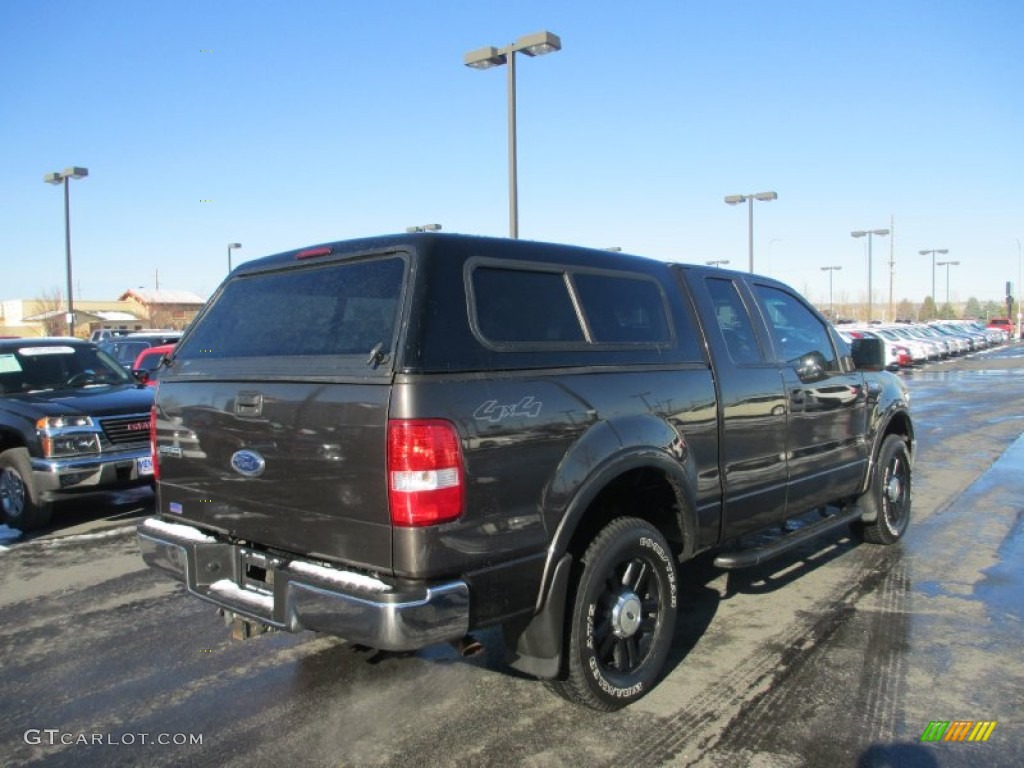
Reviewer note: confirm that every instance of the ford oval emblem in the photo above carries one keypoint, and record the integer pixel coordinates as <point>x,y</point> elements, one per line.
<point>248,463</point>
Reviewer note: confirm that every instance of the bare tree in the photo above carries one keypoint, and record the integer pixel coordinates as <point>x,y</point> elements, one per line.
<point>51,300</point>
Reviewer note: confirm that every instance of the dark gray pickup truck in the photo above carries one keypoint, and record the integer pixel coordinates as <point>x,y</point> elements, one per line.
<point>400,440</point>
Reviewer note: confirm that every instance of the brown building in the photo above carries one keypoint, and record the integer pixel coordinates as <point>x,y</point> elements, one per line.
<point>135,310</point>
<point>163,308</point>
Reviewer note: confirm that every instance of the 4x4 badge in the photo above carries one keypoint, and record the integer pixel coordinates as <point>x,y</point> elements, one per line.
<point>248,463</point>
<point>491,411</point>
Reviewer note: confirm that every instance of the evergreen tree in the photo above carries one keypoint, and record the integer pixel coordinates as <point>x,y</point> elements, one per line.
<point>973,309</point>
<point>992,309</point>
<point>928,311</point>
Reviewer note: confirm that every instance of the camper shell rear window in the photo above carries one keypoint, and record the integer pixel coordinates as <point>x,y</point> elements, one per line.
<point>329,318</point>
<point>524,306</point>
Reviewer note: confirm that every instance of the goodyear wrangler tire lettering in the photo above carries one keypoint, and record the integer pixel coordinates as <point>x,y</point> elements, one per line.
<point>623,616</point>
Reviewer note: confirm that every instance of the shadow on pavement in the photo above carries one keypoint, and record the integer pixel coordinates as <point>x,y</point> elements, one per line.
<point>90,514</point>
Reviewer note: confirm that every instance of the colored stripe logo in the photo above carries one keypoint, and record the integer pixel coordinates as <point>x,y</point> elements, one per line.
<point>958,730</point>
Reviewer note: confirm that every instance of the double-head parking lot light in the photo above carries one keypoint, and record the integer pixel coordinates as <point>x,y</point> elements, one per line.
<point>61,177</point>
<point>537,44</point>
<point>749,200</point>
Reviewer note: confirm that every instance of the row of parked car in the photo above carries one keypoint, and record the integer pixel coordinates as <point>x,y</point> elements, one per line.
<point>909,344</point>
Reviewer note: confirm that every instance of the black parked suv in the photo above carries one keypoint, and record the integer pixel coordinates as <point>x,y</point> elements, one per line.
<point>400,440</point>
<point>72,422</point>
<point>126,348</point>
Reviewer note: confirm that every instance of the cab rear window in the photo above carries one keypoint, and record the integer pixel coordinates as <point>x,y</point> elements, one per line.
<point>327,311</point>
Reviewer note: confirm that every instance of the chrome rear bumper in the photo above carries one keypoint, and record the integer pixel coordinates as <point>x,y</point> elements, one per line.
<point>295,594</point>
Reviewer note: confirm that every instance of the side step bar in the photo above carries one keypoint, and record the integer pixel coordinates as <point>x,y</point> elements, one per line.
<point>749,557</point>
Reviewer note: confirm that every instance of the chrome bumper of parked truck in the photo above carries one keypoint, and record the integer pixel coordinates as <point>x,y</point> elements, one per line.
<point>295,594</point>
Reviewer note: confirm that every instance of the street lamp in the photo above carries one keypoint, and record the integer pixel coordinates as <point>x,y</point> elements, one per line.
<point>717,262</point>
<point>933,251</point>
<point>749,199</point>
<point>231,247</point>
<point>424,228</point>
<point>947,265</point>
<point>536,44</point>
<point>831,306</point>
<point>869,233</point>
<point>61,177</point>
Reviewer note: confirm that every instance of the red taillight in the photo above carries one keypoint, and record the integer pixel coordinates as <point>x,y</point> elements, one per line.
<point>152,442</point>
<point>425,479</point>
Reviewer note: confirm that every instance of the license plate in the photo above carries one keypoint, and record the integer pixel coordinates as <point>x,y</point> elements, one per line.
<point>145,466</point>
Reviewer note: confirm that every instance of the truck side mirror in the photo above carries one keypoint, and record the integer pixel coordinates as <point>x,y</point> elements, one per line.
<point>141,375</point>
<point>811,367</point>
<point>868,354</point>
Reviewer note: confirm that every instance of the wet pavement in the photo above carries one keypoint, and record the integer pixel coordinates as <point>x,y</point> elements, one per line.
<point>838,654</point>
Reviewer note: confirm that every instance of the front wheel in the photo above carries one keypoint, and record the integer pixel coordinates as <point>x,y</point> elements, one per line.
<point>888,498</point>
<point>19,505</point>
<point>623,616</point>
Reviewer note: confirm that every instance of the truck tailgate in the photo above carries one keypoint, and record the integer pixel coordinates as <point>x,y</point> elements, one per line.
<point>293,466</point>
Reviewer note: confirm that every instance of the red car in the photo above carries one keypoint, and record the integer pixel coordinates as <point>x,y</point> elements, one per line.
<point>1003,324</point>
<point>146,367</point>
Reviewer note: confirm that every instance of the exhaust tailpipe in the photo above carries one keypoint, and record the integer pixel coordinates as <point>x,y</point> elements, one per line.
<point>468,646</point>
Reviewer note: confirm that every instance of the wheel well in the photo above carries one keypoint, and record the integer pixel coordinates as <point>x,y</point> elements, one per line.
<point>900,425</point>
<point>10,440</point>
<point>646,493</point>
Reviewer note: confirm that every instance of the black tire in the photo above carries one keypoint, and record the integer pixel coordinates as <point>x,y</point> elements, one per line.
<point>888,497</point>
<point>20,506</point>
<point>623,617</point>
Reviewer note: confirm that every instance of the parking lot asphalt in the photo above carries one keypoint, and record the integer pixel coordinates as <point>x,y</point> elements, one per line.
<point>837,654</point>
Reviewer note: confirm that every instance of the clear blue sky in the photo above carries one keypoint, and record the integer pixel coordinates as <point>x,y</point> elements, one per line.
<point>303,122</point>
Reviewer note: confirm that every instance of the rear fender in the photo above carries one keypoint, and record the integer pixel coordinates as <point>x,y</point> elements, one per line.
<point>604,453</point>
<point>607,451</point>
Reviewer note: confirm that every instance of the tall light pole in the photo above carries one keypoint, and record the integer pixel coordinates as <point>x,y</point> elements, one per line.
<point>1020,331</point>
<point>231,247</point>
<point>62,177</point>
<point>536,44</point>
<point>947,265</point>
<point>869,233</point>
<point>933,251</point>
<point>749,199</point>
<point>892,265</point>
<point>716,262</point>
<point>831,306</point>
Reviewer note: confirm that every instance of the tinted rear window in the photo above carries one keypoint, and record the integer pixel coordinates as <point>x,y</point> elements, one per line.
<point>572,309</point>
<point>623,309</point>
<point>517,305</point>
<point>323,311</point>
